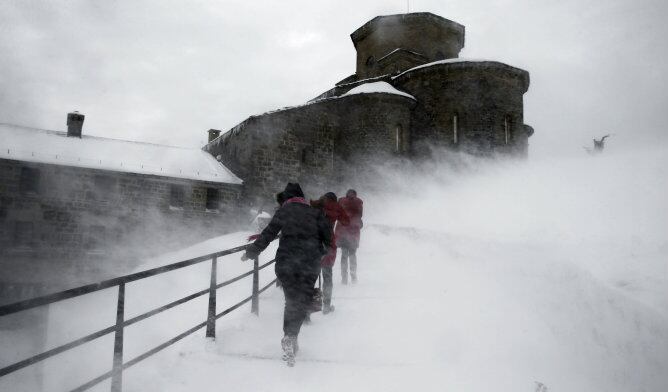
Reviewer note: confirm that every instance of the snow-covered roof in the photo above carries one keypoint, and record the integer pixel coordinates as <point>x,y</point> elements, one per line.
<point>44,146</point>
<point>376,87</point>
<point>447,61</point>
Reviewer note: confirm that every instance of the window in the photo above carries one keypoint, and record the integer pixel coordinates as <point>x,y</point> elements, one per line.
<point>211,198</point>
<point>176,196</point>
<point>23,234</point>
<point>397,139</point>
<point>439,55</point>
<point>507,133</point>
<point>370,61</point>
<point>304,153</point>
<point>29,181</point>
<point>455,129</point>
<point>401,139</point>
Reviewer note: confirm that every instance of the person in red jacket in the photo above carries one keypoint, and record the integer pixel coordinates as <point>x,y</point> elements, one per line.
<point>348,237</point>
<point>334,213</point>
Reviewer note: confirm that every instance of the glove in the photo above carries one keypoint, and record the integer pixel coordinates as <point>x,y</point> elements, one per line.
<point>244,257</point>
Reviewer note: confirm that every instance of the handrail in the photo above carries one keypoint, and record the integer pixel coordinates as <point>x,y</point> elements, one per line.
<point>105,284</point>
<point>166,344</point>
<point>118,366</point>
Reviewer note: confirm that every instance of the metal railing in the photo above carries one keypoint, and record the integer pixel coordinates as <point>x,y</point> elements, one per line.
<point>116,373</point>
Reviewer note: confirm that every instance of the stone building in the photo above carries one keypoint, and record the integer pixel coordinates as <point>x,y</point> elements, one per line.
<point>410,93</point>
<point>77,208</point>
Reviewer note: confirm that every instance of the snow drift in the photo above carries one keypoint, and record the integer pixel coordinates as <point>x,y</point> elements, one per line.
<point>478,276</point>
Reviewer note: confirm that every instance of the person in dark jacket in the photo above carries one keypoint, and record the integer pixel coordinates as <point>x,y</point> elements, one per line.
<point>305,238</point>
<point>348,237</point>
<point>336,216</point>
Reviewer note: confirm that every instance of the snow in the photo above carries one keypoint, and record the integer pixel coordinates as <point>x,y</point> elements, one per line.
<point>496,276</point>
<point>43,146</point>
<point>400,50</point>
<point>446,61</point>
<point>376,87</point>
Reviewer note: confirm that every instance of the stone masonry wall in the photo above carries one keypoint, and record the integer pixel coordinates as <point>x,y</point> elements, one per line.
<point>483,96</point>
<point>267,151</point>
<point>78,224</point>
<point>367,136</point>
<point>313,144</point>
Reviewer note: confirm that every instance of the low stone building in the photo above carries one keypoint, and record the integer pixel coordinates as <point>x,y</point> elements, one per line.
<point>409,95</point>
<point>77,208</point>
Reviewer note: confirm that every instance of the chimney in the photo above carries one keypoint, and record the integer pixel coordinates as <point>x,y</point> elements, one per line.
<point>74,124</point>
<point>213,133</point>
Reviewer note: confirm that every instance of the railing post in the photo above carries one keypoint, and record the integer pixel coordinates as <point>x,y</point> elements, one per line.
<point>255,301</point>
<point>211,316</point>
<point>117,370</point>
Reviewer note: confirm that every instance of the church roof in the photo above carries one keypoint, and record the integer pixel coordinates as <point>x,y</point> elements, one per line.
<point>53,147</point>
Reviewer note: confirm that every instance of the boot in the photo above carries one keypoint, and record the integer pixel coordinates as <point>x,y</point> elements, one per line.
<point>288,344</point>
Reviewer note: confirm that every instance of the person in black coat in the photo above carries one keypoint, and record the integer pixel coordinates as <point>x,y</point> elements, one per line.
<point>305,238</point>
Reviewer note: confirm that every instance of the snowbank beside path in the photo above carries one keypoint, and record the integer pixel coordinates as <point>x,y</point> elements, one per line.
<point>606,214</point>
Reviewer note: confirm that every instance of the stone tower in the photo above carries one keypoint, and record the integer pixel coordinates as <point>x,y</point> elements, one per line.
<point>393,43</point>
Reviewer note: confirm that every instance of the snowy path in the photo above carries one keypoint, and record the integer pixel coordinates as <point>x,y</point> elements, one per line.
<point>423,317</point>
<point>367,339</point>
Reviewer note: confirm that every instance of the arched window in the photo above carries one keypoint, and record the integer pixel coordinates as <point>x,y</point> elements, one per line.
<point>370,61</point>
<point>401,139</point>
<point>455,128</point>
<point>507,132</point>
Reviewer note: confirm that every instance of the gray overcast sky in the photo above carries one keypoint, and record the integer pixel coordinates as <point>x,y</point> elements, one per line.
<point>166,71</point>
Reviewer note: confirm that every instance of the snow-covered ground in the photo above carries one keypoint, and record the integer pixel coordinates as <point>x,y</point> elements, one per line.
<point>500,276</point>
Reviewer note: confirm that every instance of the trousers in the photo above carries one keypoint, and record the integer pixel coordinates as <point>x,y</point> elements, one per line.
<point>348,255</point>
<point>298,290</point>
<point>327,286</point>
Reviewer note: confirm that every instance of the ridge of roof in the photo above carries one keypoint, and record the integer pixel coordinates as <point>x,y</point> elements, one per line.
<point>397,50</point>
